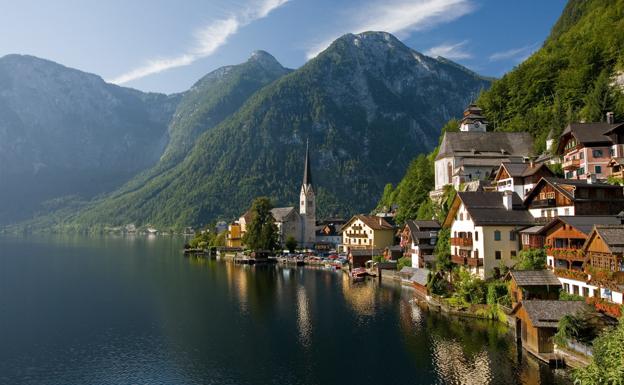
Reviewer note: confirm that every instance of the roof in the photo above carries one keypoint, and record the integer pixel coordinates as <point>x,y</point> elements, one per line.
<point>523,170</point>
<point>372,221</point>
<point>583,223</point>
<point>532,230</point>
<point>616,161</point>
<point>486,144</point>
<point>486,208</point>
<point>535,278</point>
<point>613,236</point>
<point>369,252</point>
<point>567,187</point>
<point>588,134</point>
<point>408,271</point>
<point>420,276</point>
<point>307,173</point>
<point>547,313</point>
<point>421,229</point>
<point>280,213</point>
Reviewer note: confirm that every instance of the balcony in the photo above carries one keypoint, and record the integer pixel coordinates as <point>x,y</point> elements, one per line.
<point>475,262</point>
<point>566,253</point>
<point>458,260</point>
<point>549,202</point>
<point>571,164</point>
<point>572,274</point>
<point>464,242</point>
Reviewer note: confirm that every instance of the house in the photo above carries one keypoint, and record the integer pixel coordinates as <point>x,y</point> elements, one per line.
<point>565,236</point>
<point>616,168</point>
<point>328,236</point>
<point>520,177</point>
<point>234,237</point>
<point>604,252</point>
<point>484,230</point>
<point>393,253</point>
<point>472,153</point>
<point>553,197</point>
<point>418,240</point>
<point>586,148</point>
<point>537,322</point>
<point>359,257</point>
<point>367,232</point>
<point>533,284</point>
<point>531,239</point>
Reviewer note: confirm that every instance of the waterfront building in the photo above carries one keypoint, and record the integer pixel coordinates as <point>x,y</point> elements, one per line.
<point>604,252</point>
<point>553,197</point>
<point>367,232</point>
<point>234,237</point>
<point>587,148</point>
<point>418,240</point>
<point>533,284</point>
<point>328,236</point>
<point>474,154</point>
<point>484,230</point>
<point>520,177</point>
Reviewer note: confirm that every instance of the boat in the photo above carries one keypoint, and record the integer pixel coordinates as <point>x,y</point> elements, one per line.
<point>358,274</point>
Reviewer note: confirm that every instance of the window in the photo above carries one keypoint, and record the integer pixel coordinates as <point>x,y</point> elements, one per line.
<point>512,235</point>
<point>461,216</point>
<point>598,169</point>
<point>580,171</point>
<point>575,289</point>
<point>467,216</point>
<point>497,235</point>
<point>582,155</point>
<point>512,253</point>
<point>597,153</point>
<point>476,235</point>
<point>497,254</point>
<point>566,211</point>
<point>566,287</point>
<point>476,253</point>
<point>585,291</point>
<point>611,152</point>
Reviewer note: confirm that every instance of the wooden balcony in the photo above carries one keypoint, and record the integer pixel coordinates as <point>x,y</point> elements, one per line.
<point>464,242</point>
<point>475,262</point>
<point>572,274</point>
<point>569,254</point>
<point>571,164</point>
<point>458,260</point>
<point>549,202</point>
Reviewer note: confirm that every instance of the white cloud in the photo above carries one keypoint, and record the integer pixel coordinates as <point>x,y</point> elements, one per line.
<point>207,40</point>
<point>450,51</point>
<point>519,54</point>
<point>399,17</point>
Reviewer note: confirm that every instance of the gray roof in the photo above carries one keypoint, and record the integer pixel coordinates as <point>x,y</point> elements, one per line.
<point>407,271</point>
<point>532,230</point>
<point>421,229</point>
<point>535,278</point>
<point>547,313</point>
<point>280,213</point>
<point>420,277</point>
<point>590,133</point>
<point>361,252</point>
<point>583,223</point>
<point>559,183</point>
<point>613,236</point>
<point>486,208</point>
<point>486,144</point>
<point>521,170</point>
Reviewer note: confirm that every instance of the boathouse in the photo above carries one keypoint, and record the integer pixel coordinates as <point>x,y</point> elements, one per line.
<point>533,284</point>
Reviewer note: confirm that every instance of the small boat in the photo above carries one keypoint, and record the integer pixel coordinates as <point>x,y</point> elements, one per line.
<point>358,274</point>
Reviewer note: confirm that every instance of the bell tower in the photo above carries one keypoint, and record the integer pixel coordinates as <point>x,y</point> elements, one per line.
<point>473,120</point>
<point>307,204</point>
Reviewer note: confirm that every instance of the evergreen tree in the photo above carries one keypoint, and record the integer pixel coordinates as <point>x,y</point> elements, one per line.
<point>261,232</point>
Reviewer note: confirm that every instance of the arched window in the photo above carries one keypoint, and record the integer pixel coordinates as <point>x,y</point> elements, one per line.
<point>449,172</point>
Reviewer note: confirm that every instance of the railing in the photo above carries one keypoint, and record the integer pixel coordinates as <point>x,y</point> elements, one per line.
<point>458,260</point>
<point>572,274</point>
<point>566,253</point>
<point>461,241</point>
<point>549,202</point>
<point>475,261</point>
<point>571,164</point>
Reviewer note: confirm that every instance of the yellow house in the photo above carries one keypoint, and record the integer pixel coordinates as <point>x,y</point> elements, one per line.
<point>367,232</point>
<point>234,235</point>
<point>484,230</point>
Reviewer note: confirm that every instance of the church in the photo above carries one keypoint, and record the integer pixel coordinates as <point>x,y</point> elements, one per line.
<point>299,224</point>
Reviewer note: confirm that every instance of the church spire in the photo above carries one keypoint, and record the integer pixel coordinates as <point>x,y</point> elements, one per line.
<point>307,175</point>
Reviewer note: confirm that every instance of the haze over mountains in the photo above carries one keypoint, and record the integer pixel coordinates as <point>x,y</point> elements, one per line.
<point>368,105</point>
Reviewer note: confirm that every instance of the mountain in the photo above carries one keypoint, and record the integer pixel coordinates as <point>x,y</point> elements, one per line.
<point>578,74</point>
<point>63,131</point>
<point>368,104</point>
<point>208,102</point>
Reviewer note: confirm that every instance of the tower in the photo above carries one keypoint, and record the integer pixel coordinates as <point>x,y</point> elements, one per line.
<point>307,205</point>
<point>473,120</point>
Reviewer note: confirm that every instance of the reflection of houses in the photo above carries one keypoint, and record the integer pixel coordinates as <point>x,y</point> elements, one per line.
<point>367,232</point>
<point>520,177</point>
<point>418,240</point>
<point>484,230</point>
<point>473,153</point>
<point>553,197</point>
<point>586,148</point>
<point>328,235</point>
<point>537,321</point>
<point>533,284</point>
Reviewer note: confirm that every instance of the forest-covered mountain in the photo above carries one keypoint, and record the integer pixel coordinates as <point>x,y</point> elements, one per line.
<point>578,74</point>
<point>368,104</point>
<point>66,132</point>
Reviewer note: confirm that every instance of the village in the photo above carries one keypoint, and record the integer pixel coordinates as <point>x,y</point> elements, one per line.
<point>517,243</point>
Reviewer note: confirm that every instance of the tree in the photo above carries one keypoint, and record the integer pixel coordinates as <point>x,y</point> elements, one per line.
<point>291,244</point>
<point>532,259</point>
<point>607,365</point>
<point>443,250</point>
<point>261,232</point>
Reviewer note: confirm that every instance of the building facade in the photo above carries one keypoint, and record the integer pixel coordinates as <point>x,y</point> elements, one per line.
<point>367,232</point>
<point>418,240</point>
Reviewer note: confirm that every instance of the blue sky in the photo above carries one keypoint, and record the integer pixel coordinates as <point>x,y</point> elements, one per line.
<point>166,45</point>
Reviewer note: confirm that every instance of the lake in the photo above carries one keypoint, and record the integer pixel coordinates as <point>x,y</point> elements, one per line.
<point>134,310</point>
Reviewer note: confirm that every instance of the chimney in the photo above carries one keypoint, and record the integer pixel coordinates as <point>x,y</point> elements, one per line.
<point>591,178</point>
<point>531,163</point>
<point>508,200</point>
<point>610,117</point>
<point>380,219</point>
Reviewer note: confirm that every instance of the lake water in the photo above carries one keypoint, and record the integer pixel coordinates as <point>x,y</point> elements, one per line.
<point>106,310</point>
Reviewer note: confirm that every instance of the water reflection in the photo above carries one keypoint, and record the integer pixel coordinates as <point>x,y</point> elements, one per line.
<point>304,323</point>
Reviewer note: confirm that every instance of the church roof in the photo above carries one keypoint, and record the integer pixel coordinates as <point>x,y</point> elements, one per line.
<point>486,144</point>
<point>307,173</point>
<point>280,213</point>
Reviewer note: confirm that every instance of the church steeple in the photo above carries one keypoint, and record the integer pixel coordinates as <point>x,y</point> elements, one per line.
<point>307,174</point>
